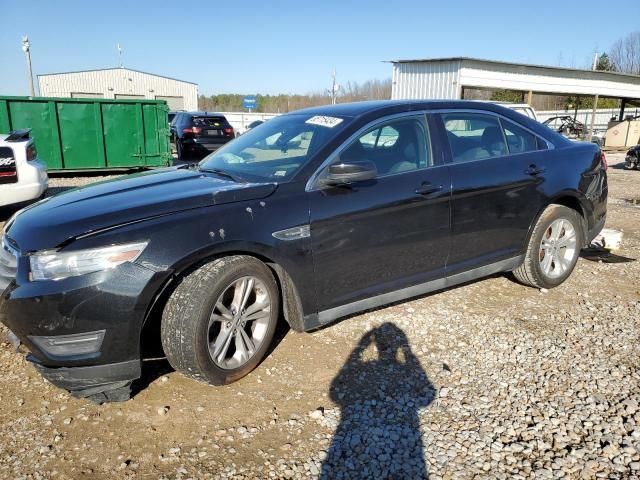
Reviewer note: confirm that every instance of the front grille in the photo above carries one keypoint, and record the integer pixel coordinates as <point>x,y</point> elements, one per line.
<point>8,264</point>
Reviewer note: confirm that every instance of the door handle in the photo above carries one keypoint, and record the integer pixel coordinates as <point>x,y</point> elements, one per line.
<point>428,188</point>
<point>534,170</point>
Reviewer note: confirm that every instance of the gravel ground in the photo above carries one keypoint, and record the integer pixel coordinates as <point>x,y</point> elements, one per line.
<point>488,380</point>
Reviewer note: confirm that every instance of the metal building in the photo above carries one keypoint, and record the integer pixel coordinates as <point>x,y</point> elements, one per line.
<point>447,78</point>
<point>122,83</point>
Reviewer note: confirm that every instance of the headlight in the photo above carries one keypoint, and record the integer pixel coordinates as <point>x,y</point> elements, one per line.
<point>52,265</point>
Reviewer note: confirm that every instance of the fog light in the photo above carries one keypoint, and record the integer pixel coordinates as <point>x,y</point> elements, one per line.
<point>70,345</point>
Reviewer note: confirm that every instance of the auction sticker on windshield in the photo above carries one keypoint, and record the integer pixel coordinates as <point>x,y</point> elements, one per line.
<point>324,121</point>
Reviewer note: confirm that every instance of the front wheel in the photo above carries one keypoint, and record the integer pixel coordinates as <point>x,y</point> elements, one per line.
<point>219,322</point>
<point>554,248</point>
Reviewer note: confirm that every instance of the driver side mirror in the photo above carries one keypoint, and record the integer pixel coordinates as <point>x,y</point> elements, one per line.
<point>347,173</point>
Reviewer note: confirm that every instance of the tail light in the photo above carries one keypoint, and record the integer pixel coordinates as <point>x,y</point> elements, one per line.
<point>194,130</point>
<point>228,131</point>
<point>32,153</point>
<point>603,161</point>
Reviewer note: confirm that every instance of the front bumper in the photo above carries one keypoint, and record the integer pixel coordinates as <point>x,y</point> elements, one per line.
<point>115,301</point>
<point>90,381</point>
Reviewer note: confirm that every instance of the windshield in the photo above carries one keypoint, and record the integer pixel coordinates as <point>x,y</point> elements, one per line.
<point>275,150</point>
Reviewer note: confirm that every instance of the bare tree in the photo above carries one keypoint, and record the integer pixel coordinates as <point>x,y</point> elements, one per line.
<point>625,54</point>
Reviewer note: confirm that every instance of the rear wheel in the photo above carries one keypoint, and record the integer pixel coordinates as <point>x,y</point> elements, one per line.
<point>553,248</point>
<point>219,322</point>
<point>179,149</point>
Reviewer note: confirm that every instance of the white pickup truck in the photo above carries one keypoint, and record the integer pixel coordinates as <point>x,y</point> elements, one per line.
<point>23,177</point>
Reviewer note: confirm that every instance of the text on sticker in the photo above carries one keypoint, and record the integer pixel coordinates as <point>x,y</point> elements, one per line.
<point>324,121</point>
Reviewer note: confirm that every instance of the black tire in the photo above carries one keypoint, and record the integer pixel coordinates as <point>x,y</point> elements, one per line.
<point>531,271</point>
<point>179,150</point>
<point>185,329</point>
<point>631,163</point>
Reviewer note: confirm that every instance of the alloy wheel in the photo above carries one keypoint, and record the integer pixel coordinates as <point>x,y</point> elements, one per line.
<point>238,323</point>
<point>558,248</point>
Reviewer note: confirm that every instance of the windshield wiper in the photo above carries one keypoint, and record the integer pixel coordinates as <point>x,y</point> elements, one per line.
<point>224,173</point>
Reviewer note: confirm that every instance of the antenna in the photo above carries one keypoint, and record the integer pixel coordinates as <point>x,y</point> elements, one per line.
<point>120,55</point>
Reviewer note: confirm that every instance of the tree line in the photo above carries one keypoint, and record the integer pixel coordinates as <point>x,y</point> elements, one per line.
<point>282,103</point>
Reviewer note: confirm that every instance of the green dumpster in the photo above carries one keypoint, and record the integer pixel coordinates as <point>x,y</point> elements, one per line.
<point>92,133</point>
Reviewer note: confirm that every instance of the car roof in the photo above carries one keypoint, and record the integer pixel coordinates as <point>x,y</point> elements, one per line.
<point>371,110</point>
<point>203,114</point>
<point>357,109</point>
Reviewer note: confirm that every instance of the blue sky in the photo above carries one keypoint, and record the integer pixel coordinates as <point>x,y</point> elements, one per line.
<point>293,46</point>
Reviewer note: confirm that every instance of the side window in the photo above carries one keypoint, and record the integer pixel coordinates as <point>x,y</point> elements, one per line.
<point>395,146</point>
<point>519,140</point>
<point>474,136</point>
<point>541,144</point>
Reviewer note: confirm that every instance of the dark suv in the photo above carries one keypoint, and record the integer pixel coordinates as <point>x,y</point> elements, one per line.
<point>314,215</point>
<point>199,132</point>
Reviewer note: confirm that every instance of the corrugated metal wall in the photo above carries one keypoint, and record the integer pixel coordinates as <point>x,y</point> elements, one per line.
<point>117,81</point>
<point>426,80</point>
<point>481,74</point>
<point>433,79</point>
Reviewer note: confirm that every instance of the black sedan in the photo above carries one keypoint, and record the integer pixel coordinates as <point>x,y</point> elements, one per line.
<point>314,215</point>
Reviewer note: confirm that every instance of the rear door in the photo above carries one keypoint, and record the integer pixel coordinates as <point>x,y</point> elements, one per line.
<point>386,234</point>
<point>497,175</point>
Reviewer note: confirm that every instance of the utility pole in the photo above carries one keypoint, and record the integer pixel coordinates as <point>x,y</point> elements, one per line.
<point>26,48</point>
<point>594,111</point>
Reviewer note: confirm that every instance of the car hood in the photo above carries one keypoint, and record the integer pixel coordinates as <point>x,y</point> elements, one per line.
<point>108,204</point>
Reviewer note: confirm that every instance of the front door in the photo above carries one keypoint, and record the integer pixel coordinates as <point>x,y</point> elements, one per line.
<point>378,236</point>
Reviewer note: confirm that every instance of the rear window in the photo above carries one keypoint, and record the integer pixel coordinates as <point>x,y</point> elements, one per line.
<point>474,136</point>
<point>209,121</point>
<point>7,166</point>
<point>6,153</point>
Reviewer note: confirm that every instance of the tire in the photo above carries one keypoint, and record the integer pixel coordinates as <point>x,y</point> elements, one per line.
<point>550,264</point>
<point>179,150</point>
<point>207,307</point>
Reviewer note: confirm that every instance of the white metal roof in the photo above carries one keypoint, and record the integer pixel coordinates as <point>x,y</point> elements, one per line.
<point>445,78</point>
<point>114,68</point>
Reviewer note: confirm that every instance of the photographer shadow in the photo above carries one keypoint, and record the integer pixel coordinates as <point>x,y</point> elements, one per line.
<point>380,390</point>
